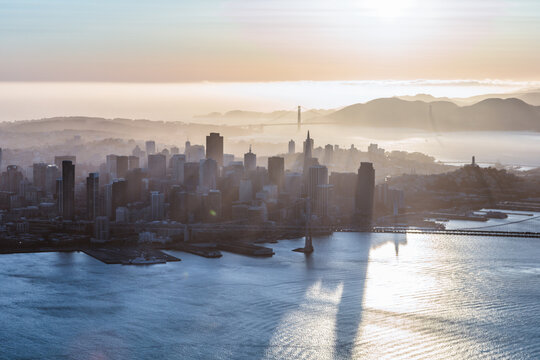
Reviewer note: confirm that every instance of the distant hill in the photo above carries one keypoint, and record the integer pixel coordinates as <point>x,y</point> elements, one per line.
<point>487,115</point>
<point>531,98</point>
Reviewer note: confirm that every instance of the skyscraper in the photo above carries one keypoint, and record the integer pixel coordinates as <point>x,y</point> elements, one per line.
<point>250,161</point>
<point>122,166</point>
<point>308,147</point>
<point>292,147</point>
<point>92,196</point>
<point>59,196</point>
<point>14,178</point>
<point>157,205</point>
<point>191,176</point>
<point>176,165</point>
<point>157,167</point>
<point>328,154</point>
<point>318,175</point>
<point>59,159</point>
<point>207,175</point>
<point>119,195</point>
<point>214,148</point>
<point>101,229</point>
<point>107,201</point>
<point>213,206</point>
<point>308,162</point>
<point>150,147</point>
<point>245,191</point>
<point>134,180</point>
<point>39,174</point>
<point>51,174</point>
<point>68,189</point>
<point>324,195</point>
<point>111,162</point>
<point>365,190</point>
<point>133,162</point>
<point>276,171</point>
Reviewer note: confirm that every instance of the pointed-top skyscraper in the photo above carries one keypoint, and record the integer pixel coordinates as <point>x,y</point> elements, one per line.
<point>308,160</point>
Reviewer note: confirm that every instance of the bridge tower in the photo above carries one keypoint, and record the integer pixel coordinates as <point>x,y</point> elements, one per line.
<point>299,118</point>
<point>308,245</point>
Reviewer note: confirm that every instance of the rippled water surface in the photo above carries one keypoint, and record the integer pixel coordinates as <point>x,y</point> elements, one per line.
<point>367,296</point>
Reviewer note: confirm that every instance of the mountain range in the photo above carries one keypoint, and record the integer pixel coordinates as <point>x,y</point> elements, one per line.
<point>492,114</point>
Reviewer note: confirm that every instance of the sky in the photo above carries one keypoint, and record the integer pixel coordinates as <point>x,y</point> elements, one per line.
<point>262,40</point>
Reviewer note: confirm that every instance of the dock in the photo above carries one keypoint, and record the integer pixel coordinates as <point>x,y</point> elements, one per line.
<point>245,249</point>
<point>206,250</point>
<point>124,255</point>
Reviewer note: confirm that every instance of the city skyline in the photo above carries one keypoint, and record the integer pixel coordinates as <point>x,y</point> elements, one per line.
<point>270,179</point>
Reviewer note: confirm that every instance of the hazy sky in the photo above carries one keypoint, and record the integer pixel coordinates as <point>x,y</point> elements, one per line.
<point>261,40</point>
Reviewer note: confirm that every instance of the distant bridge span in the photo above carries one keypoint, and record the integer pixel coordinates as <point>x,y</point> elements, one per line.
<point>239,229</point>
<point>263,125</point>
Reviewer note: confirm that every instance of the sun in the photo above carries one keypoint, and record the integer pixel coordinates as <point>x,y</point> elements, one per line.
<point>389,8</point>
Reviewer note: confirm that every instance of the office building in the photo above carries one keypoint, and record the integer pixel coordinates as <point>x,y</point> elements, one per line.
<point>195,153</point>
<point>323,201</point>
<point>121,215</point>
<point>292,147</point>
<point>276,171</point>
<point>59,159</point>
<point>328,154</point>
<point>101,229</point>
<point>68,189</point>
<point>92,196</point>
<point>134,180</point>
<point>191,176</point>
<point>122,166</point>
<point>59,196</point>
<point>12,178</point>
<point>227,159</point>
<point>344,192</point>
<point>214,148</point>
<point>213,206</point>
<point>119,195</point>
<point>318,175</point>
<point>245,191</point>
<point>133,163</point>
<point>157,166</point>
<point>250,161</point>
<point>293,185</point>
<point>157,205</point>
<point>111,163</point>
<point>150,147</point>
<point>176,164</point>
<point>208,172</point>
<point>39,175</point>
<point>107,203</point>
<point>365,190</point>
<point>51,174</point>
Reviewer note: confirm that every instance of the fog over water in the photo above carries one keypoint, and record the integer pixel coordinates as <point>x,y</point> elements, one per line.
<point>180,101</point>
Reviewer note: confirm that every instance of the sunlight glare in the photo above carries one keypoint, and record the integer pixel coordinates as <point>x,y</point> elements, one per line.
<point>389,8</point>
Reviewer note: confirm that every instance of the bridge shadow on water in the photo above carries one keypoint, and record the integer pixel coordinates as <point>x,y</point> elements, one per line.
<point>327,320</point>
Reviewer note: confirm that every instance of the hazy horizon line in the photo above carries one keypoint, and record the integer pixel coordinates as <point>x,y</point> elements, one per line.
<point>389,81</point>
